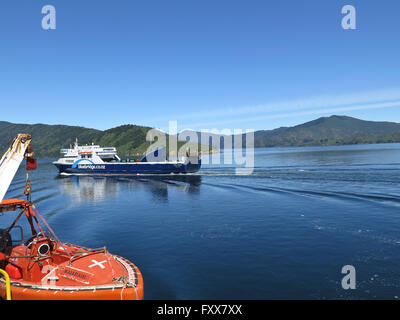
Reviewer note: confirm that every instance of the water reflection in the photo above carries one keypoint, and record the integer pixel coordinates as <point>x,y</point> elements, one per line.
<point>97,189</point>
<point>333,155</point>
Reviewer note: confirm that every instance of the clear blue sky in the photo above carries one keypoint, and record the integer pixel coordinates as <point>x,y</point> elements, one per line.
<point>221,63</point>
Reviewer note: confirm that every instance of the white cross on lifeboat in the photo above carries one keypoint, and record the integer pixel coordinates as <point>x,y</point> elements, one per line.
<point>96,263</point>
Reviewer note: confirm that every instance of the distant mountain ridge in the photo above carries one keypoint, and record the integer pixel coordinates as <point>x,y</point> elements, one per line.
<point>325,131</point>
<point>131,139</point>
<point>333,130</point>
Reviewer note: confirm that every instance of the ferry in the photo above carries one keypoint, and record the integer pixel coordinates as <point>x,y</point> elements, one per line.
<point>96,160</point>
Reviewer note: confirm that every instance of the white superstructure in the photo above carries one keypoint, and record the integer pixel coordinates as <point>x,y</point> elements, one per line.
<point>94,153</point>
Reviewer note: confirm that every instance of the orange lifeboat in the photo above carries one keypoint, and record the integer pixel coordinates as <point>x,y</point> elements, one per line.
<point>44,268</point>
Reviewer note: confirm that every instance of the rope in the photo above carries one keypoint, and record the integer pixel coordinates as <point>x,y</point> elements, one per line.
<point>28,188</point>
<point>109,262</point>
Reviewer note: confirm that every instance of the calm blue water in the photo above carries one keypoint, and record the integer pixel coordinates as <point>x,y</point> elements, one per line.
<point>284,232</point>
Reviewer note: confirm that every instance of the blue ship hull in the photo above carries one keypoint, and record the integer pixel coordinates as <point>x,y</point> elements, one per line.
<point>129,168</point>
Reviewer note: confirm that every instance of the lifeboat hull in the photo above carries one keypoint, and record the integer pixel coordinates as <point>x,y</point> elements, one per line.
<point>85,274</point>
<point>21,293</point>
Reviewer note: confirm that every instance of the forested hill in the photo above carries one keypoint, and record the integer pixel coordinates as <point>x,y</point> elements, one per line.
<point>49,139</point>
<point>334,130</point>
